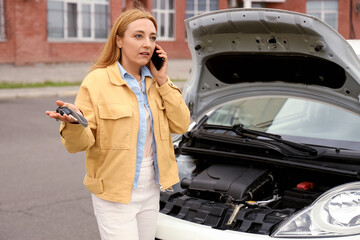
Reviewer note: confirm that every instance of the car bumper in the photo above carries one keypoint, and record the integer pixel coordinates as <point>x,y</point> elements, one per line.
<point>171,228</point>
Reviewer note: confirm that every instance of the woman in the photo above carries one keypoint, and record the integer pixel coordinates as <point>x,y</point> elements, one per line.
<point>132,109</point>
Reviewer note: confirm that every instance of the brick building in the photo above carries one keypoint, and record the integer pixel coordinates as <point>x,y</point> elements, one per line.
<point>57,31</point>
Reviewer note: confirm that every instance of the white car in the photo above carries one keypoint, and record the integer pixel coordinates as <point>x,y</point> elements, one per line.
<point>274,148</point>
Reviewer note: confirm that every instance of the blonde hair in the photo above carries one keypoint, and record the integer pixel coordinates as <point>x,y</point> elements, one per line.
<point>111,53</point>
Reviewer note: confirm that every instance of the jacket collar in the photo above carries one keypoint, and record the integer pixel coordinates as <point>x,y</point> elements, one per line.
<point>114,75</point>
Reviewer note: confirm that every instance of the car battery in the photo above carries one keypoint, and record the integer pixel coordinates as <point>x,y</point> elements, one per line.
<point>301,196</point>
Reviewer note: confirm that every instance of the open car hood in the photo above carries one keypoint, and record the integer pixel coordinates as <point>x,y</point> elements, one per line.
<point>240,53</point>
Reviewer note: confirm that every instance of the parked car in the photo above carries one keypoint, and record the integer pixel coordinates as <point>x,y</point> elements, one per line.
<point>274,148</point>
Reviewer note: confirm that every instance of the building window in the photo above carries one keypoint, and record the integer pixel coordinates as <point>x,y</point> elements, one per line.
<point>258,5</point>
<point>78,19</point>
<point>2,21</point>
<point>249,3</point>
<point>326,10</point>
<point>196,7</point>
<point>164,13</point>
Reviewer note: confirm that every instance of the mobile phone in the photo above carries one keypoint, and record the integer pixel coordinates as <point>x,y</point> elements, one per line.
<point>157,61</point>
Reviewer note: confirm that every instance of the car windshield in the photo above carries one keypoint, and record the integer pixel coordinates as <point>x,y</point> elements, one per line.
<point>294,119</point>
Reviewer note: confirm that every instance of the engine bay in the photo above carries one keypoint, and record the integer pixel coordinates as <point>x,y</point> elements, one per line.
<point>252,198</point>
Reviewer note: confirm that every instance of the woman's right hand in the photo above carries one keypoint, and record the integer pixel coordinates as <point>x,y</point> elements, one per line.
<point>63,118</point>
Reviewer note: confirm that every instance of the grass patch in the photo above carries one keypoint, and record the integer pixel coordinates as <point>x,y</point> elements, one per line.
<point>178,80</point>
<point>10,85</point>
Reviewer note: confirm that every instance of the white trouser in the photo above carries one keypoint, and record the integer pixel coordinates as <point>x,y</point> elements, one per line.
<point>137,220</point>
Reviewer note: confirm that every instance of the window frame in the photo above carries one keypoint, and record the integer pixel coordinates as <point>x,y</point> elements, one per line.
<point>167,12</point>
<point>79,21</point>
<point>322,11</point>
<point>196,11</point>
<point>2,22</point>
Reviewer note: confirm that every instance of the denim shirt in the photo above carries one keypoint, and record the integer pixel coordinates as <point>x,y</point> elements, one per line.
<point>142,101</point>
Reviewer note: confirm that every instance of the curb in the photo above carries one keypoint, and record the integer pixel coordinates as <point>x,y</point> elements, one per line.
<point>24,93</point>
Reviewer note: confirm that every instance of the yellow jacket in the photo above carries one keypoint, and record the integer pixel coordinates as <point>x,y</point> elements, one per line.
<point>111,109</point>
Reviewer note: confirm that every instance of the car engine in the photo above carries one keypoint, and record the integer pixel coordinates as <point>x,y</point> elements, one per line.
<point>243,198</point>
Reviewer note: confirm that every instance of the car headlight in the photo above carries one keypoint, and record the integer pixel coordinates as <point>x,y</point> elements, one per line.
<point>335,213</point>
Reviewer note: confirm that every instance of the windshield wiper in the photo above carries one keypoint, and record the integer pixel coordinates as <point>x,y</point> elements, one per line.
<point>241,131</point>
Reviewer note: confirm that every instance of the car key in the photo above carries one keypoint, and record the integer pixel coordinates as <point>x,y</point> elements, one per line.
<point>74,115</point>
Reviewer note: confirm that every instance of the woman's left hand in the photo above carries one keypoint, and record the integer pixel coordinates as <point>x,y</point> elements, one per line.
<point>161,75</point>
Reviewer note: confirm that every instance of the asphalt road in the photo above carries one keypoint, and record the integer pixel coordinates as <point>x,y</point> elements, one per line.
<point>41,190</point>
